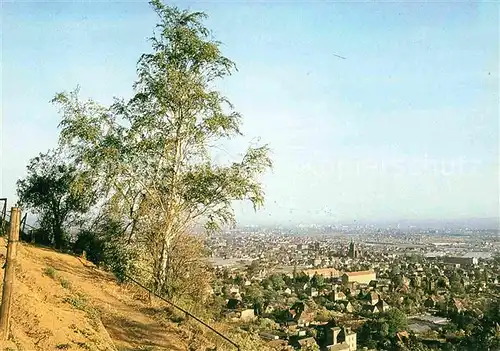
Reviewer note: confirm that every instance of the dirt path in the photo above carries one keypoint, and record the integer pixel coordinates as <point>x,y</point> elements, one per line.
<point>62,308</point>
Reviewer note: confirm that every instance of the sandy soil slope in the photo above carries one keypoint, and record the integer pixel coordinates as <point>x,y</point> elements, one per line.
<point>62,302</point>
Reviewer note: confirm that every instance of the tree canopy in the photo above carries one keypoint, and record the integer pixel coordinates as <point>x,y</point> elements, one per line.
<point>151,155</point>
<point>50,190</point>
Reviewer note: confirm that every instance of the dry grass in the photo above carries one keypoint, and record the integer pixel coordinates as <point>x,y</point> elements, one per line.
<point>62,300</point>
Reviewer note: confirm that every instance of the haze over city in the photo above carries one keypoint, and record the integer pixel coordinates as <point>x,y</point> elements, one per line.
<point>251,176</point>
<point>373,112</point>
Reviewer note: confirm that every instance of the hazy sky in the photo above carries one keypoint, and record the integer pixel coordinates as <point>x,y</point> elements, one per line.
<point>406,127</point>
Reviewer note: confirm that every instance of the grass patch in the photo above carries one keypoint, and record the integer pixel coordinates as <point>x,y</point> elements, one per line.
<point>78,301</point>
<point>83,345</point>
<point>50,272</point>
<point>66,284</point>
<point>63,346</point>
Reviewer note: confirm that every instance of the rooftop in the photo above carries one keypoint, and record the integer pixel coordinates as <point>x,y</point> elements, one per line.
<point>353,274</point>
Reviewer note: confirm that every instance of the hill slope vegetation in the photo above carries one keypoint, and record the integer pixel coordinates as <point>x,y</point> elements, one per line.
<point>62,302</point>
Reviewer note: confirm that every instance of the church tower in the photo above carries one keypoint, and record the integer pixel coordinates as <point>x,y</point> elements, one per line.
<point>353,250</point>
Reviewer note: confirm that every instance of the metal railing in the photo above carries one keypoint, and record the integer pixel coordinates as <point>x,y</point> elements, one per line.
<point>5,220</point>
<point>4,214</point>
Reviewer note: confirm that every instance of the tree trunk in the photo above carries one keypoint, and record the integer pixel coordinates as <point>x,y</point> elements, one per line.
<point>58,236</point>
<point>162,273</point>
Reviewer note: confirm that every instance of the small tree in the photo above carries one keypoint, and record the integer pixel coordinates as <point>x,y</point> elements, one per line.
<point>396,321</point>
<point>50,190</point>
<point>456,285</point>
<point>311,347</point>
<point>277,281</point>
<point>317,281</point>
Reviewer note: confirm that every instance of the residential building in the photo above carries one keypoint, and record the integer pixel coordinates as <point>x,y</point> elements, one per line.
<point>324,272</point>
<point>341,339</point>
<point>361,277</point>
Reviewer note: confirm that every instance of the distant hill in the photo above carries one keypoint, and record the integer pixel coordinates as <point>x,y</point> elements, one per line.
<point>471,223</point>
<point>490,223</point>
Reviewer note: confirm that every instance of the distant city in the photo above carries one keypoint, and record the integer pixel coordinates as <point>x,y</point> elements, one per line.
<point>254,242</point>
<point>462,226</point>
<point>351,279</point>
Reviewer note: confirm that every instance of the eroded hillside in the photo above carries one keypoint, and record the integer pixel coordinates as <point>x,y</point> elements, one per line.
<point>62,302</point>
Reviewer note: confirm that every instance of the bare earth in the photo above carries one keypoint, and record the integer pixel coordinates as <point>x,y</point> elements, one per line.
<point>75,306</point>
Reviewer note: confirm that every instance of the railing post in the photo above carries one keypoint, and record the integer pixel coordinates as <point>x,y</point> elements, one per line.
<point>3,215</point>
<point>8,278</point>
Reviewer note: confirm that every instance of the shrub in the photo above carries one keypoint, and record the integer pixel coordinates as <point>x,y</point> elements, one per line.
<point>89,242</point>
<point>49,272</point>
<point>65,283</point>
<point>105,247</point>
<point>78,301</point>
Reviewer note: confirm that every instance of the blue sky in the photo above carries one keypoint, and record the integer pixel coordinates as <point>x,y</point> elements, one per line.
<point>406,127</point>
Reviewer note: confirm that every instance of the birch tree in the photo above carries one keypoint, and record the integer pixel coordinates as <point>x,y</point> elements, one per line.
<point>151,154</point>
